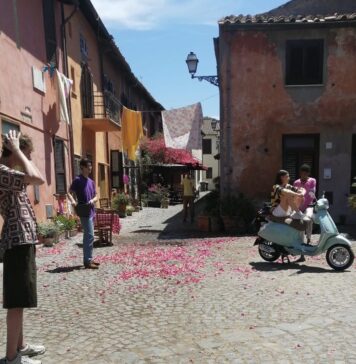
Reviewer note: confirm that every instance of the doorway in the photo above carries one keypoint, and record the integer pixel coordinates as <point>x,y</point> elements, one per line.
<point>298,150</point>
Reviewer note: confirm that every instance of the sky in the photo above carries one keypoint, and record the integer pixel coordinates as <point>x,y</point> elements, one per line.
<point>155,37</point>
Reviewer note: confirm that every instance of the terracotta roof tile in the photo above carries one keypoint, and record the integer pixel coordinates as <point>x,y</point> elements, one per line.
<point>298,19</point>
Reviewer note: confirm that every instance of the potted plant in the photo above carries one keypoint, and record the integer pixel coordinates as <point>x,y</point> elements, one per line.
<point>352,202</point>
<point>158,196</point>
<point>129,210</point>
<point>68,224</point>
<point>49,232</point>
<point>120,202</point>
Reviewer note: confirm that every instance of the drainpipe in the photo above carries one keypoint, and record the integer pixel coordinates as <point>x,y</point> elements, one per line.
<point>66,72</point>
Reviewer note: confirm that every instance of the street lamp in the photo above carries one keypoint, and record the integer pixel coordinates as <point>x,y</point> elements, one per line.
<point>192,63</point>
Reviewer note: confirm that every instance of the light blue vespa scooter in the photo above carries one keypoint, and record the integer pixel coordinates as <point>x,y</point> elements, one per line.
<point>277,240</point>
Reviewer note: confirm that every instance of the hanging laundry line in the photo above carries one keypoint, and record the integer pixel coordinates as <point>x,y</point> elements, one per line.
<point>159,111</point>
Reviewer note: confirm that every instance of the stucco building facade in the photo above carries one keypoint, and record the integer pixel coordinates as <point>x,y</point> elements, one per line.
<point>288,91</point>
<point>68,36</point>
<point>211,149</point>
<point>103,83</point>
<point>30,38</point>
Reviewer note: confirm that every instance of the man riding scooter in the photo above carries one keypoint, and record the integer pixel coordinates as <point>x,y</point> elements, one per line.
<point>309,185</point>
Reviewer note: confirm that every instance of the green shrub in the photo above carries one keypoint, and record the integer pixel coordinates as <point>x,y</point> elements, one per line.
<point>48,229</point>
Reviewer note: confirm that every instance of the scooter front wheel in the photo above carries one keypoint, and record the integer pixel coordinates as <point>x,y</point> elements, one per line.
<point>340,257</point>
<point>268,252</point>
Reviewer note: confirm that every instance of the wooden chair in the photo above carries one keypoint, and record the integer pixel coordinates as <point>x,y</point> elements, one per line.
<point>104,203</point>
<point>103,225</point>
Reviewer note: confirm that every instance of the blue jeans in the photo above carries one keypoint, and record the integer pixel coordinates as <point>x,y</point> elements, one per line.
<point>88,238</point>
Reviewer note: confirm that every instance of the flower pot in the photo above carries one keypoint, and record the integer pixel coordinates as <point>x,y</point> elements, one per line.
<point>122,209</point>
<point>73,233</point>
<point>203,223</point>
<point>49,241</point>
<point>165,203</point>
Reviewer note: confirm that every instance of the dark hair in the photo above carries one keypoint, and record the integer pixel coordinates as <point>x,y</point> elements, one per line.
<point>25,142</point>
<point>279,176</point>
<point>85,162</point>
<point>305,168</point>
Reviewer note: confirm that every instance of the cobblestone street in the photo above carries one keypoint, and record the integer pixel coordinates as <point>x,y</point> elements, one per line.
<point>158,298</point>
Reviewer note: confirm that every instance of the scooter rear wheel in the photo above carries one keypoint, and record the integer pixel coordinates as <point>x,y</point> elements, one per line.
<point>340,257</point>
<point>268,252</point>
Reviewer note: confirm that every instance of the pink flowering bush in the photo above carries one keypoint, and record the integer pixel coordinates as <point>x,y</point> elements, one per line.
<point>159,153</point>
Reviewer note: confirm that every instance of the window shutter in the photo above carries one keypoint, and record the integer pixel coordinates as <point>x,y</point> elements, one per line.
<point>59,166</point>
<point>50,30</point>
<point>116,169</point>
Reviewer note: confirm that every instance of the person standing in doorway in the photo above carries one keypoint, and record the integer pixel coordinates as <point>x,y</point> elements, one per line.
<point>18,240</point>
<point>309,185</point>
<point>188,197</point>
<point>82,195</point>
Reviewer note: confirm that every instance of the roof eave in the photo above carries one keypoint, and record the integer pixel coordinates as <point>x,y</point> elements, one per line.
<point>226,25</point>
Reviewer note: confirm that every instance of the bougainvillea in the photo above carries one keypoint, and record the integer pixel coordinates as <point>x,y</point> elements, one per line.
<point>160,154</point>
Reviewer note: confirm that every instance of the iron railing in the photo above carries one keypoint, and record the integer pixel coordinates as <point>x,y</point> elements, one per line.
<point>106,105</point>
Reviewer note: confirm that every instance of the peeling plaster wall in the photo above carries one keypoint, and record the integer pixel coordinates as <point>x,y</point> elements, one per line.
<point>257,109</point>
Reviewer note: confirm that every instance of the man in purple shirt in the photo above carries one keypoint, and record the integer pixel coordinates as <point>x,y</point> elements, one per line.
<point>309,185</point>
<point>83,187</point>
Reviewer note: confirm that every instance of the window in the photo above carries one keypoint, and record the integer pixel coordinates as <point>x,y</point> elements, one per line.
<point>353,166</point>
<point>116,169</point>
<point>59,166</point>
<point>83,48</point>
<point>86,88</point>
<point>218,144</point>
<point>209,173</point>
<point>76,165</point>
<point>206,146</point>
<point>304,62</point>
<point>6,126</point>
<point>50,30</point>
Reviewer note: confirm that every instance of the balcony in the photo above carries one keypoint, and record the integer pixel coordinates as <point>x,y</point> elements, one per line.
<point>101,112</point>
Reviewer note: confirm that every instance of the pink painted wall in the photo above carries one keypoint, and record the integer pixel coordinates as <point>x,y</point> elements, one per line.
<point>20,51</point>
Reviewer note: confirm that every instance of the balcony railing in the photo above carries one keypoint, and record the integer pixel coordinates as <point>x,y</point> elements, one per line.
<point>106,105</point>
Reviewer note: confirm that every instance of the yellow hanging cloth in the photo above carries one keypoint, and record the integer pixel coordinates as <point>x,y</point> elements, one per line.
<point>131,131</point>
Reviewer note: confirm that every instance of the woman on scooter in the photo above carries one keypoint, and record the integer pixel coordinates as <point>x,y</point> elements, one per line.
<point>285,198</point>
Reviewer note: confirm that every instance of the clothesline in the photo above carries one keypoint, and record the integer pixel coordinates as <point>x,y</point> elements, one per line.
<point>158,111</point>
<point>50,68</point>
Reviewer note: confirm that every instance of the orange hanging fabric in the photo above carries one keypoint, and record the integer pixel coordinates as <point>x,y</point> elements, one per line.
<point>131,131</point>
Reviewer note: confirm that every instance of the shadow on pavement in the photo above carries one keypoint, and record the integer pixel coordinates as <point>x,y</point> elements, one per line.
<point>65,269</point>
<point>177,229</point>
<point>301,269</point>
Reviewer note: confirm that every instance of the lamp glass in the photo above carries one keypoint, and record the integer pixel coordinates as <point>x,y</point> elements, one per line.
<point>192,62</point>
